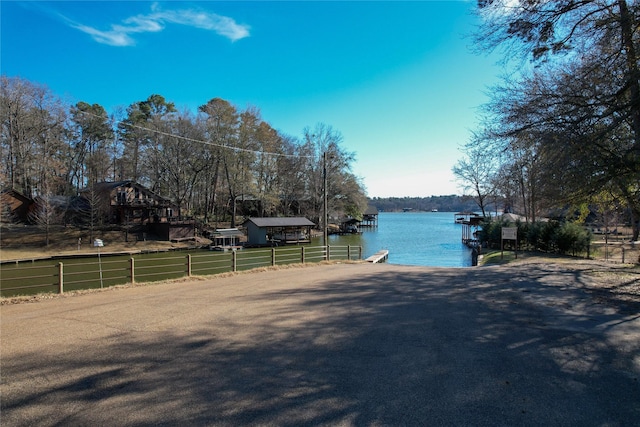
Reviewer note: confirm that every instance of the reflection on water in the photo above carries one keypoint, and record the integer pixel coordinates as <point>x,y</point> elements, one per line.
<point>413,238</point>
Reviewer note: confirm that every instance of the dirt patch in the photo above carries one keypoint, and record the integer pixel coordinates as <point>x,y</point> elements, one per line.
<point>610,283</point>
<point>24,242</point>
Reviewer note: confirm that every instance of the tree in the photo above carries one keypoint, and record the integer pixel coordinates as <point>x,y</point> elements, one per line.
<point>141,131</point>
<point>345,193</point>
<point>477,172</point>
<point>292,179</point>
<point>32,144</point>
<point>180,159</point>
<point>90,136</point>
<point>221,130</point>
<point>583,105</point>
<point>266,168</point>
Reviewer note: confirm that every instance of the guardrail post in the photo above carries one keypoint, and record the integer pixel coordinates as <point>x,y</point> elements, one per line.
<point>302,254</point>
<point>234,261</point>
<point>273,257</point>
<point>622,254</point>
<point>60,278</point>
<point>348,252</point>
<point>359,252</point>
<point>327,256</point>
<point>188,265</point>
<point>132,268</point>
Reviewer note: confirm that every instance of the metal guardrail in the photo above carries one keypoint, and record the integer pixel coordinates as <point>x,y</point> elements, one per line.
<point>49,275</point>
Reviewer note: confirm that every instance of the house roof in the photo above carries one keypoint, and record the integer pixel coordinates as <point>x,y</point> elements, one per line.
<point>281,222</point>
<point>371,210</point>
<point>108,185</point>
<point>228,232</point>
<point>111,185</point>
<point>12,192</point>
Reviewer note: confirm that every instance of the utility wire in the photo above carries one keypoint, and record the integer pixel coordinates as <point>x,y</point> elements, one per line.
<point>198,141</point>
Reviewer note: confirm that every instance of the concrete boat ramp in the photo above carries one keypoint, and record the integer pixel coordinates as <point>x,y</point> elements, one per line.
<point>354,344</point>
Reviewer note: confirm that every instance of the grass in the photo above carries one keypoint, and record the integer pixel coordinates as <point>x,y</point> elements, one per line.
<point>26,242</point>
<point>32,270</point>
<point>497,257</point>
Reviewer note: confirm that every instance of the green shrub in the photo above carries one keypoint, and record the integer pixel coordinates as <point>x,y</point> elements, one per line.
<point>551,236</point>
<point>572,238</point>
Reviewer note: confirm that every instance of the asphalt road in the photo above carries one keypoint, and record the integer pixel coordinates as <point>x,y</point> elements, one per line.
<point>348,344</point>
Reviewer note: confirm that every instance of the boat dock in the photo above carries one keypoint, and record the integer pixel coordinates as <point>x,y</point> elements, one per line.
<point>380,256</point>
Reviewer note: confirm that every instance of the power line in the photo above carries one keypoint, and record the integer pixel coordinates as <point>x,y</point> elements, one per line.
<point>198,141</point>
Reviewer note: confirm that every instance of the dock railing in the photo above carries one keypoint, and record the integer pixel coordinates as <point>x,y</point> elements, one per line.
<point>87,272</point>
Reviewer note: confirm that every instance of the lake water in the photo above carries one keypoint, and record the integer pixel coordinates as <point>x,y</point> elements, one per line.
<point>413,238</point>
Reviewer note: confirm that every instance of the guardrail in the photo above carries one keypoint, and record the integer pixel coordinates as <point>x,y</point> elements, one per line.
<point>50,275</point>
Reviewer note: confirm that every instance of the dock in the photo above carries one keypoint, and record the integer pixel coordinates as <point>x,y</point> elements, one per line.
<point>380,256</point>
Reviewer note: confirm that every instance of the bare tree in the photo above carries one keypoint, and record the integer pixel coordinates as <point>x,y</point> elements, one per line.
<point>582,107</point>
<point>32,136</point>
<point>477,173</point>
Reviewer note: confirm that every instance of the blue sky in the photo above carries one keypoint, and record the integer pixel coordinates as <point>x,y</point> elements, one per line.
<point>398,80</point>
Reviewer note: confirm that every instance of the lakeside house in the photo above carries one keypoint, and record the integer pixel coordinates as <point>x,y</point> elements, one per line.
<point>129,202</point>
<point>15,206</point>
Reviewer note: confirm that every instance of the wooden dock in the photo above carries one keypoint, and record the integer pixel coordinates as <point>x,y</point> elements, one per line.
<point>380,256</point>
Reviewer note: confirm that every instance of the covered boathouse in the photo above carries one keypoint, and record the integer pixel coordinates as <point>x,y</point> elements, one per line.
<point>278,231</point>
<point>370,217</point>
<point>226,238</point>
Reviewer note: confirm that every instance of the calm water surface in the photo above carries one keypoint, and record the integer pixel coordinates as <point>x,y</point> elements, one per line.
<point>413,238</point>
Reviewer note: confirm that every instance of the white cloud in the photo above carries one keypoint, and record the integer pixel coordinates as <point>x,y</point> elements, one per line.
<point>120,34</point>
<point>113,38</point>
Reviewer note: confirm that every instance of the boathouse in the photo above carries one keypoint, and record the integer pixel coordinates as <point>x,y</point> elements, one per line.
<point>278,231</point>
<point>226,238</point>
<point>370,217</point>
<point>470,222</point>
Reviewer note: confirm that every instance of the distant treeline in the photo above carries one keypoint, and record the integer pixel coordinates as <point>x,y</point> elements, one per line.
<point>450,203</point>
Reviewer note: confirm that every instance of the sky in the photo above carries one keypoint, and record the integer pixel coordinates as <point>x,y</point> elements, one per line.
<point>398,80</point>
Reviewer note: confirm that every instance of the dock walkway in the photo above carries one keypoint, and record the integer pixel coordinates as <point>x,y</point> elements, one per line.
<point>380,256</point>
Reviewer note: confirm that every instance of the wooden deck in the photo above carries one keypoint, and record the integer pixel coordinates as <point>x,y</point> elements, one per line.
<point>380,256</point>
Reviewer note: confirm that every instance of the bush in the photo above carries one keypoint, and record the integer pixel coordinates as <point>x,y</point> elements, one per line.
<point>570,237</point>
<point>552,236</point>
<point>490,233</point>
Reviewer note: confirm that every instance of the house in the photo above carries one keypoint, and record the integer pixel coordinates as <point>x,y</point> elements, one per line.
<point>275,231</point>
<point>15,206</point>
<point>126,202</point>
<point>130,203</point>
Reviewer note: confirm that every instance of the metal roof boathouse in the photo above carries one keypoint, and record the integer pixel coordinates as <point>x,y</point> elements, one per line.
<point>278,231</point>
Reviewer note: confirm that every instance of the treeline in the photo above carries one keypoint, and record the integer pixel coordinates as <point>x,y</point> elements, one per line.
<point>203,161</point>
<point>450,203</point>
<point>564,130</point>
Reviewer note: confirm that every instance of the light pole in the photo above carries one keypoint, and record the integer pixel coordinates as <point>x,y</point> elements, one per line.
<point>324,194</point>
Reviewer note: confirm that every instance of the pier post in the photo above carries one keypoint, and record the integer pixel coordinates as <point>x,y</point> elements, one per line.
<point>60,278</point>
<point>234,261</point>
